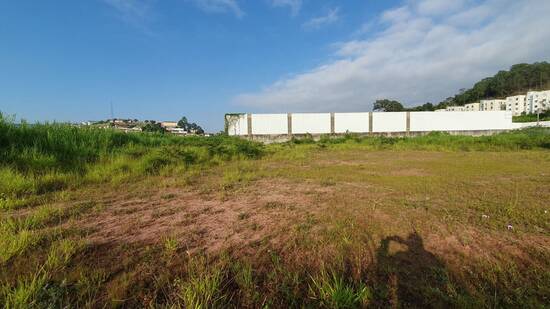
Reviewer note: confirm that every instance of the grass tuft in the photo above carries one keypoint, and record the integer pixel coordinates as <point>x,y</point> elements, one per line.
<point>332,291</point>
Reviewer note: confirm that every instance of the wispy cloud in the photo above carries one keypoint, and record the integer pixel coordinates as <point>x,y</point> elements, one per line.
<point>425,51</point>
<point>439,7</point>
<point>294,5</point>
<point>318,22</point>
<point>137,13</point>
<point>220,6</point>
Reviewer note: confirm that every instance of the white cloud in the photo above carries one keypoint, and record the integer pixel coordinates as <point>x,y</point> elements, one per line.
<point>439,7</point>
<point>134,12</point>
<point>220,6</point>
<point>294,5</point>
<point>318,22</point>
<point>473,16</point>
<point>396,15</point>
<point>416,58</point>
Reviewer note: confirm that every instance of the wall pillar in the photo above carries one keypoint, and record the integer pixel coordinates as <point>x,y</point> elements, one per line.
<point>289,124</point>
<point>332,126</point>
<point>370,122</point>
<point>408,122</point>
<point>249,125</point>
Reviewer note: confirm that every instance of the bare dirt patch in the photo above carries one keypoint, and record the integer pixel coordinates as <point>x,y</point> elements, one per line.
<point>247,216</point>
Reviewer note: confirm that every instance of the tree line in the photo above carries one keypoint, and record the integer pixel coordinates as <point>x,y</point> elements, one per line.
<point>519,79</point>
<point>153,126</point>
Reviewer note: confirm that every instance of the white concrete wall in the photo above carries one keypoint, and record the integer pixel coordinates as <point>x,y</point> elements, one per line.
<point>390,122</point>
<point>277,124</point>
<point>269,124</point>
<point>460,121</point>
<point>351,122</point>
<point>239,126</point>
<point>521,125</point>
<point>313,123</point>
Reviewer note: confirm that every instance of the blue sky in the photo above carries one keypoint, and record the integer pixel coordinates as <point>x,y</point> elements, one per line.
<point>162,59</point>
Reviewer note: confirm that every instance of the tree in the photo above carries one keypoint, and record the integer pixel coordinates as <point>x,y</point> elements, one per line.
<point>153,127</point>
<point>183,123</point>
<point>386,105</point>
<point>427,107</point>
<point>190,127</point>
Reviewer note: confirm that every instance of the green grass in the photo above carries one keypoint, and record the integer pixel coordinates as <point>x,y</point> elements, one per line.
<point>545,116</point>
<point>42,158</point>
<point>332,291</point>
<point>204,286</point>
<point>344,222</point>
<point>534,138</point>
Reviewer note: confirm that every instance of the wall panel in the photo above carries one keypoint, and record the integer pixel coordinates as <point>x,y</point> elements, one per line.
<point>269,124</point>
<point>351,122</point>
<point>460,121</point>
<point>389,122</point>
<point>314,123</point>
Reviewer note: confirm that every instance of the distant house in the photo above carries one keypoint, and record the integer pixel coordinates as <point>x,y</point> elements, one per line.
<point>127,129</point>
<point>177,131</point>
<point>168,124</point>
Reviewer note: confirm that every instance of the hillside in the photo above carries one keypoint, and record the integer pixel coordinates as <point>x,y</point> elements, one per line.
<point>519,79</point>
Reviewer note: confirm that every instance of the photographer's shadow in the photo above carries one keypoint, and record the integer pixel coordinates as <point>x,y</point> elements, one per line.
<point>413,277</point>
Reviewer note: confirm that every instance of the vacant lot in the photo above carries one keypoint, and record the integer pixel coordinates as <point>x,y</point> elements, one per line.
<point>433,222</point>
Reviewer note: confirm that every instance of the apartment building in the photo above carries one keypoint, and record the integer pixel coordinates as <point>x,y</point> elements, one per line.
<point>492,105</point>
<point>516,104</point>
<point>537,101</point>
<point>519,104</point>
<point>455,109</point>
<point>472,107</point>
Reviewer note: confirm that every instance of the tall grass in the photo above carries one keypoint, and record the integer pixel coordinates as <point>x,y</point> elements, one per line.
<point>41,158</point>
<point>42,147</point>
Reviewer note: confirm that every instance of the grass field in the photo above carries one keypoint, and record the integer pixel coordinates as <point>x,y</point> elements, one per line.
<point>96,218</point>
